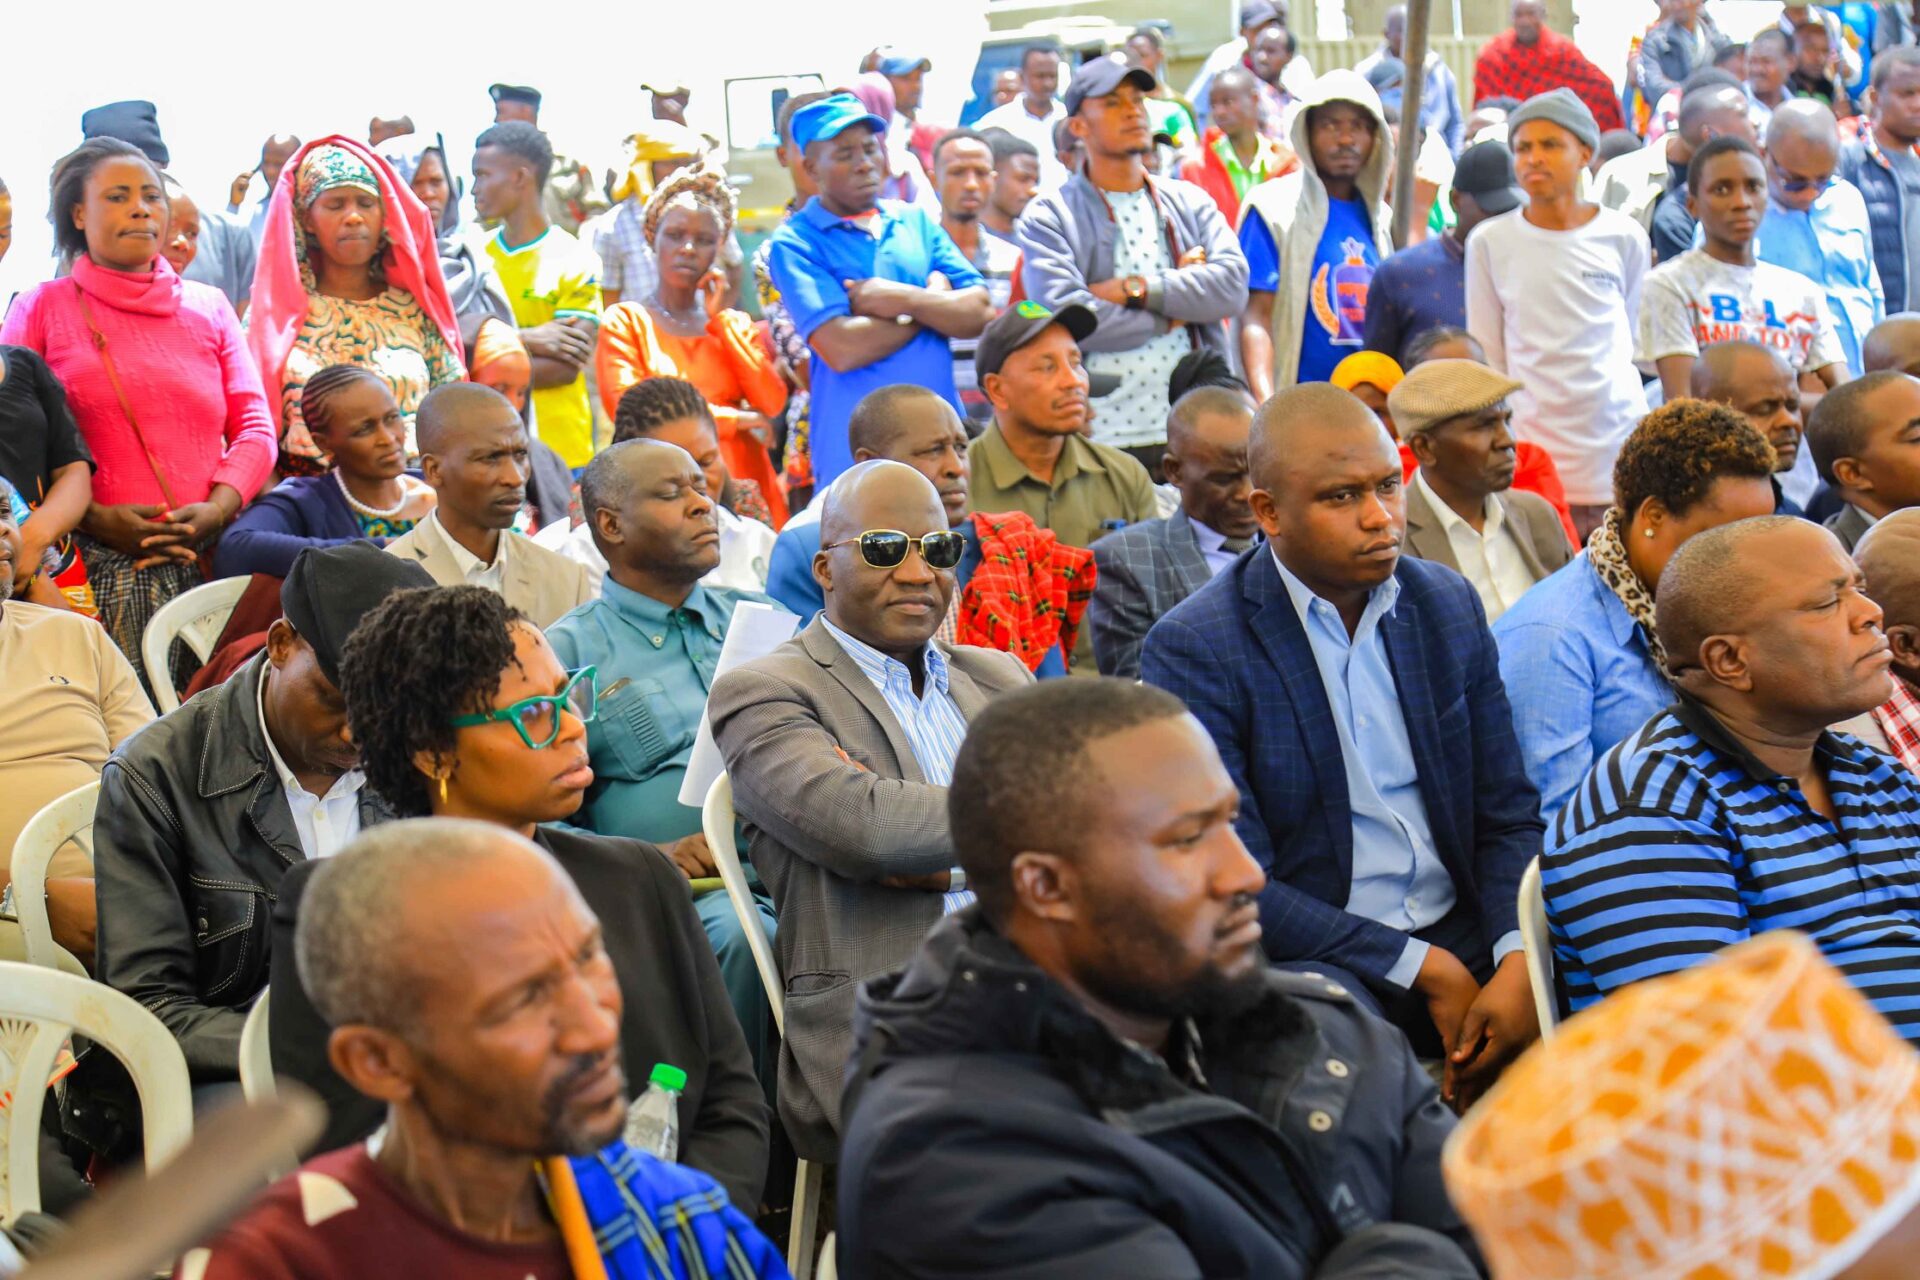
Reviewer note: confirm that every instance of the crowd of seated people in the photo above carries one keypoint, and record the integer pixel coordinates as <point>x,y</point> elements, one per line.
<point>1182,663</point>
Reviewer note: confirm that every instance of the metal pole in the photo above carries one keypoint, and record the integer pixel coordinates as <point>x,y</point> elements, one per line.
<point>1413,49</point>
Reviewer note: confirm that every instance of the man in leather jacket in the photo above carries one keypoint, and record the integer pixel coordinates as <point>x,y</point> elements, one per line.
<point>1110,1073</point>
<point>201,812</point>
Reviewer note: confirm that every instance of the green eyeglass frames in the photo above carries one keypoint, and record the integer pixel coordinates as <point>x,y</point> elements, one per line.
<point>537,720</point>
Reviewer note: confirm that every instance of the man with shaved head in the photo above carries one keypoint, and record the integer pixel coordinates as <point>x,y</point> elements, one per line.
<point>1355,696</point>
<point>1736,810</point>
<point>840,745</point>
<point>1145,569</point>
<point>469,990</point>
<point>1894,344</point>
<point>474,453</point>
<point>1865,440</point>
<point>1889,558</point>
<point>654,637</point>
<point>1756,382</point>
<point>1817,222</point>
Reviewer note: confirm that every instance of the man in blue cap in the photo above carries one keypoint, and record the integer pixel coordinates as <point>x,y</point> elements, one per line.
<point>907,73</point>
<point>875,288</point>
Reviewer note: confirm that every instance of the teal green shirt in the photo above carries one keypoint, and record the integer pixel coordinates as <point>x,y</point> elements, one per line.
<point>655,667</point>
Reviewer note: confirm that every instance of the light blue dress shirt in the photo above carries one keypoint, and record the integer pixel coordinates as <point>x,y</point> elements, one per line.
<point>1832,245</point>
<point>1578,676</point>
<point>932,721</point>
<point>1398,878</point>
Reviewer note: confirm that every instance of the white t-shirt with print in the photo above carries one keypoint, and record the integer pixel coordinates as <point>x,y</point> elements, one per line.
<point>1697,300</point>
<point>1136,413</point>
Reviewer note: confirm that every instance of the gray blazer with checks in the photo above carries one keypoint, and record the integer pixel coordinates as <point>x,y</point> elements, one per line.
<point>823,832</point>
<point>1142,571</point>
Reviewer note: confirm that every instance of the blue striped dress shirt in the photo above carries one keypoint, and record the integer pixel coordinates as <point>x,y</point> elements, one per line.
<point>932,721</point>
<point>1680,842</point>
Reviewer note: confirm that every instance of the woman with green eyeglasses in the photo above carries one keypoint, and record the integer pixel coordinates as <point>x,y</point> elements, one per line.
<point>461,710</point>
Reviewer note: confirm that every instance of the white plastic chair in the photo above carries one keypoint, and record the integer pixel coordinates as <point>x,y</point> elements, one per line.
<point>256,1054</point>
<point>716,820</point>
<point>1539,948</point>
<point>46,833</point>
<point>39,1009</point>
<point>197,618</point>
<point>829,1266</point>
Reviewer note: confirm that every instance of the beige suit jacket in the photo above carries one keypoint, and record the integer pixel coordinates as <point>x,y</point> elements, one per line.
<point>539,583</point>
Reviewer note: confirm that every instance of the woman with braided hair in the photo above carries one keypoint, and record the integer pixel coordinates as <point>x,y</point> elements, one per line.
<point>682,329</point>
<point>366,493</point>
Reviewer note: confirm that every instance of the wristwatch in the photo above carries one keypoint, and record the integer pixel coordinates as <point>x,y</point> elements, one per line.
<point>1135,287</point>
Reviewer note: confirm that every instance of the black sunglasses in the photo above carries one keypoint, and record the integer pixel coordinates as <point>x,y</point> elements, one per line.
<point>887,548</point>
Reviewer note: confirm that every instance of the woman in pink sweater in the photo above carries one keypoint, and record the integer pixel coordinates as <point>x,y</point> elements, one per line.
<point>160,383</point>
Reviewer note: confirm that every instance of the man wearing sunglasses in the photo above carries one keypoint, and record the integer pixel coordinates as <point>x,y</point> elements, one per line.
<point>654,637</point>
<point>1817,223</point>
<point>840,745</point>
<point>202,813</point>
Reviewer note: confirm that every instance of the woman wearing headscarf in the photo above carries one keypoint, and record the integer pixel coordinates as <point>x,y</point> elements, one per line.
<point>420,160</point>
<point>653,153</point>
<point>157,376</point>
<point>683,330</point>
<point>906,178</point>
<point>349,274</point>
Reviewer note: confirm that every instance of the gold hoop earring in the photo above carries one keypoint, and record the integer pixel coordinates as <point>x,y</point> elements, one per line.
<point>443,788</point>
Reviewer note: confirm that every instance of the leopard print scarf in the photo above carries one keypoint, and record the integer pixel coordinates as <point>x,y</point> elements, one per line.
<point>1607,549</point>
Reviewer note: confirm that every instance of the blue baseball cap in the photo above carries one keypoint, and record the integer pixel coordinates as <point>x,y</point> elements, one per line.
<point>830,117</point>
<point>904,65</point>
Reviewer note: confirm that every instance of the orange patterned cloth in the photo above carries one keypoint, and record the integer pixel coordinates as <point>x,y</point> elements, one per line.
<point>1028,593</point>
<point>1747,1119</point>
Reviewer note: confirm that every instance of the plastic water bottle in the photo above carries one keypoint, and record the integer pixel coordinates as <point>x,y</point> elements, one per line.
<point>653,1121</point>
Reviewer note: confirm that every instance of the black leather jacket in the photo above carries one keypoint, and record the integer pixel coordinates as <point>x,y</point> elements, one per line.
<point>191,838</point>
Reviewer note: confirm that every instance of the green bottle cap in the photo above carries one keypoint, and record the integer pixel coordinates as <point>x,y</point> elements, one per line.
<point>668,1076</point>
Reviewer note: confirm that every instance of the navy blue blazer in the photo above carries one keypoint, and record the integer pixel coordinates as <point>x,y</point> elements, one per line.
<point>1236,652</point>
<point>305,511</point>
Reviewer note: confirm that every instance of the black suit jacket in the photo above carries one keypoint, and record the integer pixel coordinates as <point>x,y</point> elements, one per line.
<point>676,1009</point>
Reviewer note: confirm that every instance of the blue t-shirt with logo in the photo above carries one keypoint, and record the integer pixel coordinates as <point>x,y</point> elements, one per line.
<point>1343,266</point>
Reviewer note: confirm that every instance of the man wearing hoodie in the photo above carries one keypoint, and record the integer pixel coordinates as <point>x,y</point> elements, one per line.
<point>1119,1083</point>
<point>1552,290</point>
<point>1314,237</point>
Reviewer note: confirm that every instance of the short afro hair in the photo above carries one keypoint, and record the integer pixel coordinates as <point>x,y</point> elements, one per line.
<point>523,141</point>
<point>1680,450</point>
<point>415,661</point>
<point>648,405</point>
<point>1019,780</point>
<point>1712,150</point>
<point>1420,350</point>
<point>1838,426</point>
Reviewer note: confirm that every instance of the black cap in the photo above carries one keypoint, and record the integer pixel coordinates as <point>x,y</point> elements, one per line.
<point>136,122</point>
<point>1485,172</point>
<point>1020,324</point>
<point>329,589</point>
<point>1100,77</point>
<point>514,93</point>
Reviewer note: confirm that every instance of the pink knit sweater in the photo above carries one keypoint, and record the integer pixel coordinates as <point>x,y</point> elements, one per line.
<point>183,364</point>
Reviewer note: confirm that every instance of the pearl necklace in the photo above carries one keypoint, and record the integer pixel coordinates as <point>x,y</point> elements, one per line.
<point>372,513</point>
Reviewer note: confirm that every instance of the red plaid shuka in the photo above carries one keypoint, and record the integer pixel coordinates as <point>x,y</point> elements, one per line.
<point>1509,69</point>
<point>1028,593</point>
<point>1899,718</point>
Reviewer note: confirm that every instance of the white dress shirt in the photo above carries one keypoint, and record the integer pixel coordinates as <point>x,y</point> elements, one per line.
<point>477,574</point>
<point>745,547</point>
<point>324,823</point>
<point>1490,559</point>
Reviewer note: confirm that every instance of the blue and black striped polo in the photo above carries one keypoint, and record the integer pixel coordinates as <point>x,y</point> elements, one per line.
<point>1680,842</point>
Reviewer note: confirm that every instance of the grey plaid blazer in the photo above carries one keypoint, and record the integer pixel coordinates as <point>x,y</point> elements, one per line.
<point>822,833</point>
<point>1142,571</point>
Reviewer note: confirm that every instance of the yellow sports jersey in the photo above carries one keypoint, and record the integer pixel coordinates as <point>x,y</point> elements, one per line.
<point>553,276</point>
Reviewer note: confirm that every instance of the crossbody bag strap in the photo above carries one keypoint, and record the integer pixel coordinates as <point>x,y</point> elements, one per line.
<point>126,405</point>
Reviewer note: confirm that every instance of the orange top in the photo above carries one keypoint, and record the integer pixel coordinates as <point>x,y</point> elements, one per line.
<point>729,365</point>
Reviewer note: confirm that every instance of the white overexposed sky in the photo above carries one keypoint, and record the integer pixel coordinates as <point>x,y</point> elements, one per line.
<point>226,73</point>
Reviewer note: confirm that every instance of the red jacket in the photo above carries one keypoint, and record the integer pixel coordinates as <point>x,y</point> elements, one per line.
<point>1209,173</point>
